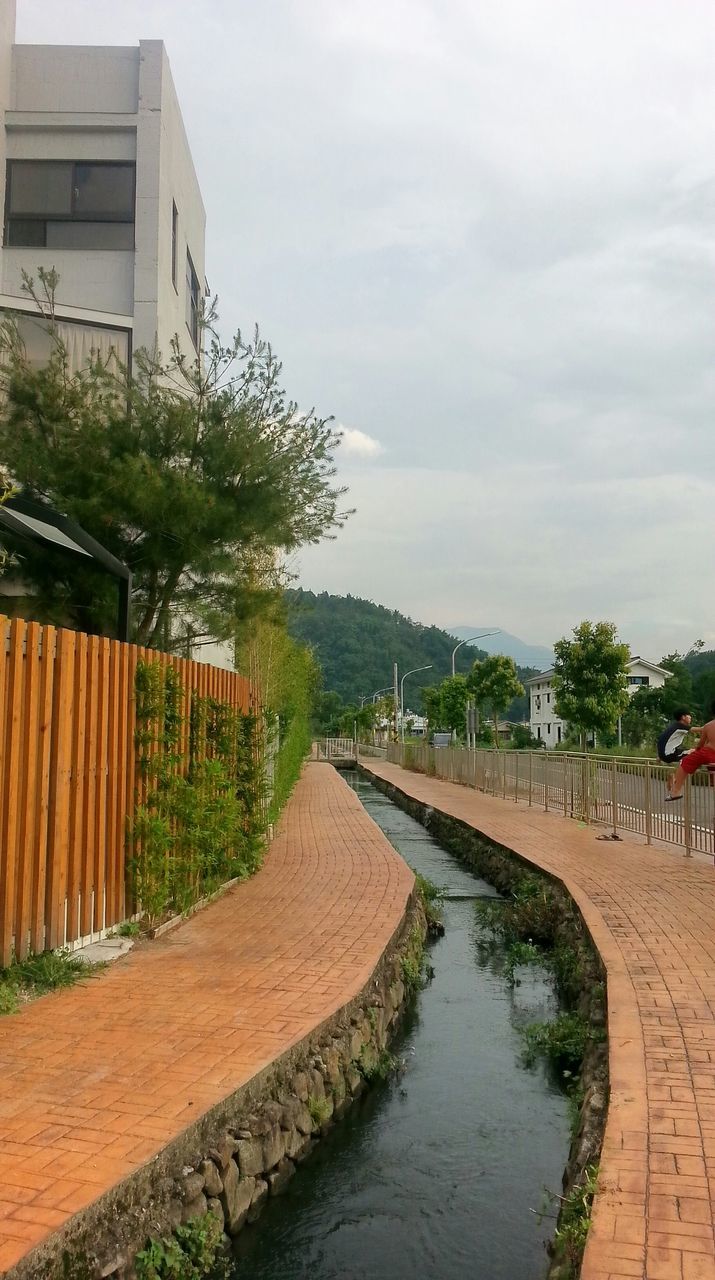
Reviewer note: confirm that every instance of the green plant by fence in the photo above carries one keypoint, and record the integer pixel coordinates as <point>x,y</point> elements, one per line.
<point>199,818</point>
<point>623,794</point>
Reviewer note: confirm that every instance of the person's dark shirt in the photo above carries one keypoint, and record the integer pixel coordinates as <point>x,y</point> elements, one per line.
<point>670,741</point>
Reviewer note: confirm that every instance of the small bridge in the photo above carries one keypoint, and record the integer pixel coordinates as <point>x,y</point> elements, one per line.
<point>338,751</point>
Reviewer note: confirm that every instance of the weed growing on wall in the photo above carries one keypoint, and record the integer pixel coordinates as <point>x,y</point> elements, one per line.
<point>198,819</point>
<point>528,923</point>
<point>431,897</point>
<point>572,1232</point>
<point>194,1251</point>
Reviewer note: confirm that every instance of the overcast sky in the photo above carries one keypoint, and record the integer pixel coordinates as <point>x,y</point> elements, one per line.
<point>481,234</point>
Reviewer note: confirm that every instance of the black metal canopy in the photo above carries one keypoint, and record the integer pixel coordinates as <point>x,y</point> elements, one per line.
<point>35,521</point>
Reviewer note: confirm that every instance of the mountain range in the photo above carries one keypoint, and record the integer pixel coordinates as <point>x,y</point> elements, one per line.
<point>523,653</point>
<point>357,641</point>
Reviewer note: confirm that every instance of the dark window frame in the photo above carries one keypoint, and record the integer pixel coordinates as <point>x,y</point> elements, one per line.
<point>73,218</point>
<point>174,245</point>
<point>193,299</point>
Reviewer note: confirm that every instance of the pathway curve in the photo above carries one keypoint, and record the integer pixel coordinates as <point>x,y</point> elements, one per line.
<point>96,1080</point>
<point>651,914</point>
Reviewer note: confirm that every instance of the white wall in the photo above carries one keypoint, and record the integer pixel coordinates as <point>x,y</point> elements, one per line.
<point>80,78</point>
<point>178,184</point>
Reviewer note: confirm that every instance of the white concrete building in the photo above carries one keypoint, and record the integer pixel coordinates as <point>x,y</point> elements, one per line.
<point>98,182</point>
<point>543,720</point>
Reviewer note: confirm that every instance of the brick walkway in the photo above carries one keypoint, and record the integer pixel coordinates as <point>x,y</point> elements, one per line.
<point>96,1080</point>
<point>651,914</point>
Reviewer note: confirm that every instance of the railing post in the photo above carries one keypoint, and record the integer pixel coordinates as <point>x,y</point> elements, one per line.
<point>564,778</point>
<point>687,818</point>
<point>516,777</point>
<point>531,773</point>
<point>586,788</point>
<point>648,803</point>
<point>614,796</point>
<point>546,780</point>
<point>503,778</point>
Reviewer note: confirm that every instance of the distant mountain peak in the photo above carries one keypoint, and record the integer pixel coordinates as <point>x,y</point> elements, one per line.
<point>523,653</point>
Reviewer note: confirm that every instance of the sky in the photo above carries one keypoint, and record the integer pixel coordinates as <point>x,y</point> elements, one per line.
<point>480,234</point>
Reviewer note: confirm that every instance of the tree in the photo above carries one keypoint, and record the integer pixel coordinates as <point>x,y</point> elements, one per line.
<point>432,703</point>
<point>590,679</point>
<point>495,683</point>
<point>453,695</point>
<point>188,473</point>
<point>523,739</point>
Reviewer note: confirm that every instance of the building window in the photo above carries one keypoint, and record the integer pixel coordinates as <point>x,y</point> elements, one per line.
<point>558,733</point>
<point>548,730</point>
<point>193,300</point>
<point>63,204</point>
<point>548,698</point>
<point>639,680</point>
<point>174,242</point>
<point>538,732</point>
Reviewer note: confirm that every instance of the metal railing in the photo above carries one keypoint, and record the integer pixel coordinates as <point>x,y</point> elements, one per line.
<point>622,793</point>
<point>336,748</point>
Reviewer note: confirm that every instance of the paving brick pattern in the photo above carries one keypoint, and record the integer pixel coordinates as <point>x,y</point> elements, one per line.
<point>94,1081</point>
<point>651,914</point>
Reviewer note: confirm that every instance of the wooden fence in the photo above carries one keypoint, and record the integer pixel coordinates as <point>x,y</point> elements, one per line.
<point>67,777</point>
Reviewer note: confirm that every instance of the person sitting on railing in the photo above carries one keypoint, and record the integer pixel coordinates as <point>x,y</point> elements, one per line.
<point>670,742</point>
<point>704,754</point>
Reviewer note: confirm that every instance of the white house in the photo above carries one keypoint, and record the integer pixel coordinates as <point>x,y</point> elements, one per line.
<point>98,182</point>
<point>543,720</point>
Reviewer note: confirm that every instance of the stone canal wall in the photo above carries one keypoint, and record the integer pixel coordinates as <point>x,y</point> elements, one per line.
<point>248,1148</point>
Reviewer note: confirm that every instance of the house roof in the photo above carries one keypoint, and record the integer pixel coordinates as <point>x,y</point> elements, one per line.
<point>652,666</point>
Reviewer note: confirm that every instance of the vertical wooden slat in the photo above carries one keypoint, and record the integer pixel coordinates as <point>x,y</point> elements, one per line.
<point>60,768</point>
<point>5,942</point>
<point>113,757</point>
<point>131,775</point>
<point>118,817</point>
<point>40,840</point>
<point>9,825</point>
<point>77,848</point>
<point>90,785</point>
<point>28,789</point>
<point>100,813</point>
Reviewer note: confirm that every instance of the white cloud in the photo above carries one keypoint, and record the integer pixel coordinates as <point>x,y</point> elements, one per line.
<point>359,444</point>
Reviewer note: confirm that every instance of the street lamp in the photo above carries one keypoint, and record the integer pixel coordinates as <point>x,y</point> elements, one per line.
<point>483,636</point>
<point>402,694</point>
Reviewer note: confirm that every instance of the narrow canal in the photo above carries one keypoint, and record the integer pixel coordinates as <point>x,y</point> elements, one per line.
<point>440,1172</point>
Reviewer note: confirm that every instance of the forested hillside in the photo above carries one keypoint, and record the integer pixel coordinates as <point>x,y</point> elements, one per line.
<point>356,643</point>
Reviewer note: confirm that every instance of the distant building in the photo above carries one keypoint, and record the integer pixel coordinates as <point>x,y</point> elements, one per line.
<point>544,723</point>
<point>99,183</point>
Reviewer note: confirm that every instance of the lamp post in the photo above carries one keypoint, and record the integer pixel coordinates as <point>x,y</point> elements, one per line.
<point>375,697</point>
<point>469,640</point>
<point>402,695</point>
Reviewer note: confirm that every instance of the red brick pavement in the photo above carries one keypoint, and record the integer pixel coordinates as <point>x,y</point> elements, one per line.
<point>651,914</point>
<point>94,1081</point>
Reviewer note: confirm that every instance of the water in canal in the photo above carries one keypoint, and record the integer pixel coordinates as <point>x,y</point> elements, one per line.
<point>436,1173</point>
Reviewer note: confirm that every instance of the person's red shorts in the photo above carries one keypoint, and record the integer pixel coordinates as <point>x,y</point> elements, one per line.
<point>694,759</point>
